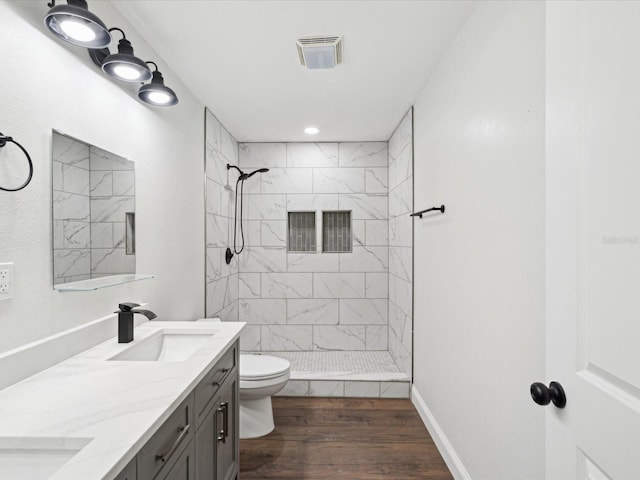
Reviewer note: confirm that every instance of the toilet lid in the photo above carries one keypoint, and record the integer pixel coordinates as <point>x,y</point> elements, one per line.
<point>253,367</point>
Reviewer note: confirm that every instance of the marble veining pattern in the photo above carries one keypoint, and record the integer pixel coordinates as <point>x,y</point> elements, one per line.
<point>356,311</point>
<point>70,152</point>
<point>249,286</point>
<point>338,180</point>
<point>258,155</point>
<point>285,180</point>
<point>365,154</point>
<point>263,259</point>
<point>313,262</point>
<point>93,192</point>
<point>223,287</point>
<point>376,180</point>
<point>365,206</point>
<point>79,234</point>
<point>262,311</point>
<point>365,259</point>
<point>287,285</point>
<point>377,285</point>
<point>115,406</point>
<point>312,154</point>
<point>312,312</point>
<point>340,337</point>
<point>273,233</point>
<point>338,285</point>
<point>287,337</point>
<point>400,245</point>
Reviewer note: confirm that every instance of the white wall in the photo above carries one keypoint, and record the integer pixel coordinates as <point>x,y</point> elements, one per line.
<point>48,84</point>
<point>479,269</point>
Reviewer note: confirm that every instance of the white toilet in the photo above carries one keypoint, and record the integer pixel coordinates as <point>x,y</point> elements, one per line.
<point>261,376</point>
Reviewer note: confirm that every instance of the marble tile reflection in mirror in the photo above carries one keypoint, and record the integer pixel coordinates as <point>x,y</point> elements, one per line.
<point>93,212</point>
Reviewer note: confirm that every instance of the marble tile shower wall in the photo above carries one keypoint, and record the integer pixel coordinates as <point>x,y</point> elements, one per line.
<point>401,243</point>
<point>94,189</point>
<point>315,301</point>
<point>222,279</point>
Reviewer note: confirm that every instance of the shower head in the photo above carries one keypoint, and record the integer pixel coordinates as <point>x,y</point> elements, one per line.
<point>260,170</point>
<point>244,176</point>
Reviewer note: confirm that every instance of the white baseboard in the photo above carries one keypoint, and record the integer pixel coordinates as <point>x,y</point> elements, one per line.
<point>439,438</point>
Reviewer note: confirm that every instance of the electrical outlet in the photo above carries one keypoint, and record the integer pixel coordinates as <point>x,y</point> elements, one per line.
<point>6,281</point>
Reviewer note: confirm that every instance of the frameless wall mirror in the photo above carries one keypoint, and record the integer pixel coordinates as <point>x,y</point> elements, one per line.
<point>93,215</point>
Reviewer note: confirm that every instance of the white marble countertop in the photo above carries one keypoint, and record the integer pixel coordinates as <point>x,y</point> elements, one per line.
<point>116,405</point>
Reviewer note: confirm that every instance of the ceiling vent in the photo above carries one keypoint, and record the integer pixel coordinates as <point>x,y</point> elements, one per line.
<point>320,52</point>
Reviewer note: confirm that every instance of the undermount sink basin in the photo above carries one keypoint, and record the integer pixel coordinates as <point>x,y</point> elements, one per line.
<point>36,458</point>
<point>165,346</point>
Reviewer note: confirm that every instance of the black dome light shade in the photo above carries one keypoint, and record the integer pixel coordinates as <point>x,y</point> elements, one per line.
<point>156,93</point>
<point>124,65</point>
<point>74,23</point>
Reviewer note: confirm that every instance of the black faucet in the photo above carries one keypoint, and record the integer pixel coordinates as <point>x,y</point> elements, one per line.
<point>125,320</point>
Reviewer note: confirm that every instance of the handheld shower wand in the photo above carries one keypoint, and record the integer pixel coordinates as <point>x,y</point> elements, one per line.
<point>240,182</point>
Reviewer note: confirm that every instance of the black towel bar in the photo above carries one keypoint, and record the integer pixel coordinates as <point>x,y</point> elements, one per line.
<point>419,214</point>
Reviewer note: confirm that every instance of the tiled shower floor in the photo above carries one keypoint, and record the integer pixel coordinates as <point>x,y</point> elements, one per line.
<point>344,374</point>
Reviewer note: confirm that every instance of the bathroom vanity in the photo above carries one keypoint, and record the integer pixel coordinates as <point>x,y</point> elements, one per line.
<point>163,407</point>
<point>199,441</point>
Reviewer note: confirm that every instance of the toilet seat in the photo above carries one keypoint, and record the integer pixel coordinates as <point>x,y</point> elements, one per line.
<point>262,367</point>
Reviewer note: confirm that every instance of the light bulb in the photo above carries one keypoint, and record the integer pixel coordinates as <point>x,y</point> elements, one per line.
<point>311,130</point>
<point>159,97</point>
<point>77,30</point>
<point>126,72</point>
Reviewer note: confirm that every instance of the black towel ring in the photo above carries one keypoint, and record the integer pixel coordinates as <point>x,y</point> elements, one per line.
<point>3,142</point>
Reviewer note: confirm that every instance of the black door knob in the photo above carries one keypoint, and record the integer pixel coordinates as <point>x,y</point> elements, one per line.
<point>543,395</point>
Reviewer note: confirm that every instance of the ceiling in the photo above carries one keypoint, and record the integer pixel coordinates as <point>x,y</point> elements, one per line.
<point>239,58</point>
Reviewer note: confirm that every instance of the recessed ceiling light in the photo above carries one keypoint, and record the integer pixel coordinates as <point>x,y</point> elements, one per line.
<point>311,130</point>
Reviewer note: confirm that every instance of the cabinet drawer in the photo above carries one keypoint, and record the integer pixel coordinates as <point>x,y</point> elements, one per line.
<point>166,445</point>
<point>210,384</point>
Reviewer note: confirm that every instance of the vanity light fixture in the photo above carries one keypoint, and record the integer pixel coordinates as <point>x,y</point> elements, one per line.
<point>74,23</point>
<point>311,130</point>
<point>124,65</point>
<point>156,93</point>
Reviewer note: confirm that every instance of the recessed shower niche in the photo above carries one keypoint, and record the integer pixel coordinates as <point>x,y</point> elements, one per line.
<point>93,215</point>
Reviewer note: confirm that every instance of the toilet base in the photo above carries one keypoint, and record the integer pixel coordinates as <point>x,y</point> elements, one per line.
<point>256,417</point>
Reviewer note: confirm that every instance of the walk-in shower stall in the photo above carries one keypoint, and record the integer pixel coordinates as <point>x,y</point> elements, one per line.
<point>324,278</point>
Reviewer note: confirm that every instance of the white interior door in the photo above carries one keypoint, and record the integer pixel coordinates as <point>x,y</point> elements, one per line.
<point>593,238</point>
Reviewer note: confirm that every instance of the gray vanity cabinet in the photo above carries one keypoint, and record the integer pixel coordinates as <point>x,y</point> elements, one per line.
<point>216,440</point>
<point>200,439</point>
<point>217,436</point>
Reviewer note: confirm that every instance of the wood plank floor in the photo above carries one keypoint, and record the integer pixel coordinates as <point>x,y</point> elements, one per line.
<point>343,438</point>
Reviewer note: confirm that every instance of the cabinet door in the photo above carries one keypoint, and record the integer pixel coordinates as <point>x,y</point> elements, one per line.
<point>216,438</point>
<point>227,420</point>
<point>129,472</point>
<point>183,469</point>
<point>206,446</point>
